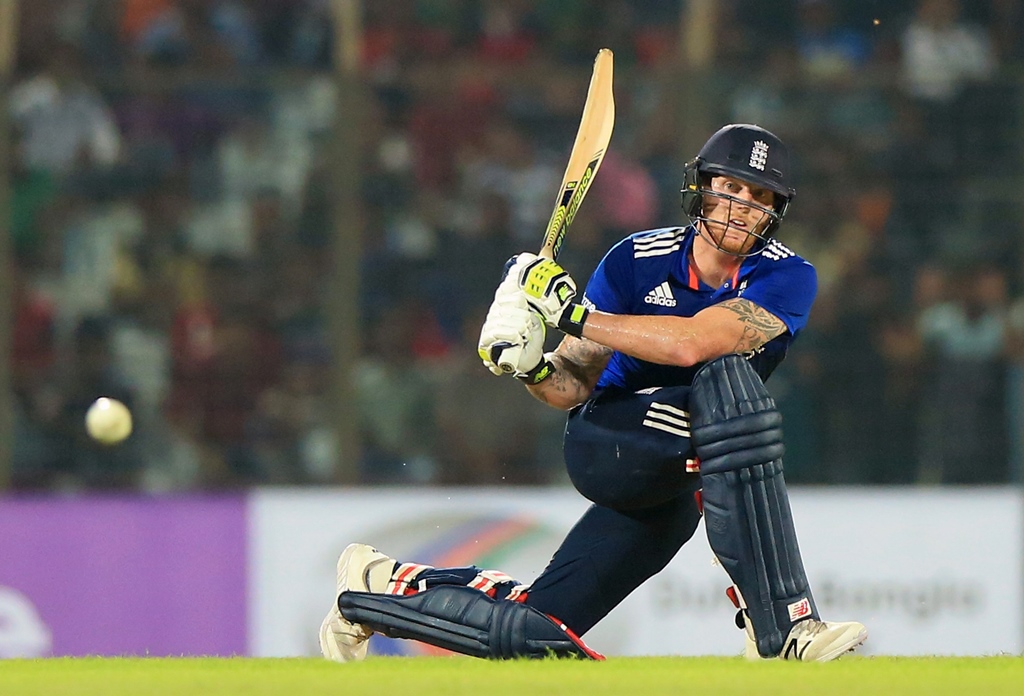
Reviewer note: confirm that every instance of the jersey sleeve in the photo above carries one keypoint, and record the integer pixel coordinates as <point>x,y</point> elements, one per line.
<point>611,286</point>
<point>787,290</point>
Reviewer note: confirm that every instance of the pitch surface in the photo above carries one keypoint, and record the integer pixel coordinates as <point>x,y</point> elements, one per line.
<point>452,676</point>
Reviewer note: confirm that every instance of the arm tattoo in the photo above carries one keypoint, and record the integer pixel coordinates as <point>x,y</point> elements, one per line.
<point>578,365</point>
<point>584,359</point>
<point>759,325</point>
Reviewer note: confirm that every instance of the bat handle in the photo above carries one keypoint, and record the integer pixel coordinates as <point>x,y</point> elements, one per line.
<point>505,355</point>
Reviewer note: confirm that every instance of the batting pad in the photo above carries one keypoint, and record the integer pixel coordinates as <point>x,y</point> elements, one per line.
<point>466,621</point>
<point>737,434</point>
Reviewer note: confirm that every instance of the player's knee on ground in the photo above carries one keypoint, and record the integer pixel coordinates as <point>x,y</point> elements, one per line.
<point>737,433</point>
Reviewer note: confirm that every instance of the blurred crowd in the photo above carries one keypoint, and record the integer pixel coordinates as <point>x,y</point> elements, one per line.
<point>173,221</point>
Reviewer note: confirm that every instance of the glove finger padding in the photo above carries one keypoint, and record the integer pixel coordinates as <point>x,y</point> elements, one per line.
<point>515,265</point>
<point>511,338</point>
<point>508,293</point>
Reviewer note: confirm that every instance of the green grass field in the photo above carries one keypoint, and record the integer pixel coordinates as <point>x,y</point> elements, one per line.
<point>450,676</point>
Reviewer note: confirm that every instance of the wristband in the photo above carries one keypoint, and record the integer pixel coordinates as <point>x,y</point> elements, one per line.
<point>544,369</point>
<point>572,320</point>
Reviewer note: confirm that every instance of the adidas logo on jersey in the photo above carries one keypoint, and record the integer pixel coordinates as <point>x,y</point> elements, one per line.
<point>661,295</point>
<point>659,244</point>
<point>776,250</point>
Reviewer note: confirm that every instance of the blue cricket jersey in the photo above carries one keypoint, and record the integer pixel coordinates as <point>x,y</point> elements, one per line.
<point>650,273</point>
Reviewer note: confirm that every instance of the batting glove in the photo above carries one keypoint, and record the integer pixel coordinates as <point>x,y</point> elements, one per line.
<point>550,290</point>
<point>512,340</point>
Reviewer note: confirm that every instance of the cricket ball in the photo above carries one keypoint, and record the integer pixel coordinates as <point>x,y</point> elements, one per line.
<point>108,421</point>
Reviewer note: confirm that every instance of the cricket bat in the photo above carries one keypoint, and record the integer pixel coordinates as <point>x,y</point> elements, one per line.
<point>592,138</point>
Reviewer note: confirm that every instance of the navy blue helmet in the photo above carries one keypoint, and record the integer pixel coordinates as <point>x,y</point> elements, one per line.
<point>746,152</point>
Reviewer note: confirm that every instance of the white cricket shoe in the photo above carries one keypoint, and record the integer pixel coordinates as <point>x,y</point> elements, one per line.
<point>361,568</point>
<point>749,644</point>
<point>820,641</point>
<point>743,621</point>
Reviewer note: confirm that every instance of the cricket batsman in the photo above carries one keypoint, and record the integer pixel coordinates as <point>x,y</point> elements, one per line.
<point>662,373</point>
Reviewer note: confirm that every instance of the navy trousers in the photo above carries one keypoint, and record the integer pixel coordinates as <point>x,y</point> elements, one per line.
<point>626,452</point>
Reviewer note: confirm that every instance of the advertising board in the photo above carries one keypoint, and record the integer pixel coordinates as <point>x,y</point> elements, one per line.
<point>122,576</point>
<point>929,571</point>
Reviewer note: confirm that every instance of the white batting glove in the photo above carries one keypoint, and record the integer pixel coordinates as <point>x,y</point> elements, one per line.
<point>512,339</point>
<point>550,290</point>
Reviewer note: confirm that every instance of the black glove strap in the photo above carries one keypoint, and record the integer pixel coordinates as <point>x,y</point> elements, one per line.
<point>544,369</point>
<point>573,319</point>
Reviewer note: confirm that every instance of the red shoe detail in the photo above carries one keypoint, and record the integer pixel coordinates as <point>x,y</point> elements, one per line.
<point>593,654</point>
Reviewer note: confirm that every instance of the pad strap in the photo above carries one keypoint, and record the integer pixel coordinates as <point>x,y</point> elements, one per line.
<point>404,579</point>
<point>466,621</point>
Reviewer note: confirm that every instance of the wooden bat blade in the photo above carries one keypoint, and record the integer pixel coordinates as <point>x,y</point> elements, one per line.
<point>592,138</point>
